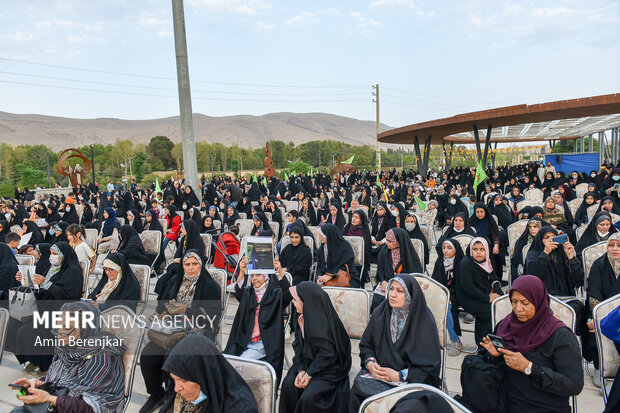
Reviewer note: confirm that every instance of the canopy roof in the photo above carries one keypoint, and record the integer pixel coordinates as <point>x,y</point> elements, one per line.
<point>564,119</point>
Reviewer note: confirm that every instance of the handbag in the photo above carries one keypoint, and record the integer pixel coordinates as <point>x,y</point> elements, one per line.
<point>341,279</point>
<point>364,386</point>
<point>165,340</point>
<point>22,303</point>
<point>483,385</point>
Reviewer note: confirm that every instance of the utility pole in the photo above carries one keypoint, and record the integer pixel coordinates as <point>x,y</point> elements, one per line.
<point>92,162</point>
<point>49,177</point>
<point>319,157</point>
<point>185,98</point>
<point>131,167</point>
<point>241,163</point>
<point>211,165</point>
<point>333,160</point>
<point>377,146</point>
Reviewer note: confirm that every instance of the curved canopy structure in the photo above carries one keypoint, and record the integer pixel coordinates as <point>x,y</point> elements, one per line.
<point>564,119</point>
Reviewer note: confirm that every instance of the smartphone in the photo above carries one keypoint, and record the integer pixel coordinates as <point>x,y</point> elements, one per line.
<point>616,186</point>
<point>497,341</point>
<point>561,239</point>
<point>21,390</point>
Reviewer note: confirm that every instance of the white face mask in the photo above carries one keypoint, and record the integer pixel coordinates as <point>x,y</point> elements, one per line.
<point>54,260</point>
<point>593,175</point>
<point>410,226</point>
<point>184,206</point>
<point>602,234</point>
<point>67,209</point>
<point>394,212</point>
<point>453,201</point>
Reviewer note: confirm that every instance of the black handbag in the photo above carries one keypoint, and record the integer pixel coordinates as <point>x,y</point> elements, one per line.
<point>483,385</point>
<point>365,387</point>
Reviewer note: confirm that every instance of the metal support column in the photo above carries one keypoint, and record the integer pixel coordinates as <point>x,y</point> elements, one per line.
<point>601,148</point>
<point>477,138</point>
<point>582,141</point>
<point>575,145</point>
<point>487,142</point>
<point>416,146</point>
<point>493,156</point>
<point>427,153</point>
<point>590,143</point>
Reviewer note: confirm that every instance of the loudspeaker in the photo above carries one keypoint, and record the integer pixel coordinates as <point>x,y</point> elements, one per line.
<point>558,158</point>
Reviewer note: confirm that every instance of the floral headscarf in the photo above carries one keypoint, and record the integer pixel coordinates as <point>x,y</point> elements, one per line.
<point>399,315</point>
<point>389,236</point>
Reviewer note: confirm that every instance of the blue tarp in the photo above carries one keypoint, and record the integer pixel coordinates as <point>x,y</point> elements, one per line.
<point>580,162</point>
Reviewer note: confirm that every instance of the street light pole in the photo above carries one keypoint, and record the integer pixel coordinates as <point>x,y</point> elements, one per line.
<point>185,97</point>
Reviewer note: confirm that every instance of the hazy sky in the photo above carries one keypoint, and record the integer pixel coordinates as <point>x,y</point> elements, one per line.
<point>432,59</point>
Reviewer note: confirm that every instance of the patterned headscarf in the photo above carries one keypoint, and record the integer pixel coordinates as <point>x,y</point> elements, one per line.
<point>111,284</point>
<point>615,262</point>
<point>54,268</point>
<point>399,315</point>
<point>389,236</point>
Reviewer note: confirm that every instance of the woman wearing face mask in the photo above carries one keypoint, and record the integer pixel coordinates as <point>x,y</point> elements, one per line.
<point>443,272</point>
<point>599,229</point>
<point>204,381</point>
<point>400,343</point>
<point>358,227</point>
<point>527,236</point>
<point>70,216</point>
<point>192,293</point>
<point>397,256</point>
<point>475,289</point>
<point>611,185</point>
<point>455,205</point>
<point>118,286</point>
<point>57,233</point>
<point>399,214</point>
<point>318,380</point>
<point>414,231</point>
<point>63,282</point>
<point>258,330</point>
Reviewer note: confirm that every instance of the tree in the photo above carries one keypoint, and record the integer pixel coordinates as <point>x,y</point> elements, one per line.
<point>138,165</point>
<point>31,176</point>
<point>160,149</point>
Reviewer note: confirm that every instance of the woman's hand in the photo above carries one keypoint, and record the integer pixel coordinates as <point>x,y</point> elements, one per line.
<point>18,276</point>
<point>388,374</point>
<point>384,285</point>
<point>176,260</point>
<point>302,380</point>
<point>38,279</point>
<point>29,383</point>
<point>515,361</point>
<point>174,308</point>
<point>278,267</point>
<point>495,249</point>
<point>490,347</point>
<point>590,325</point>
<point>323,279</point>
<point>493,297</point>
<point>550,246</point>
<point>37,396</point>
<point>569,249</point>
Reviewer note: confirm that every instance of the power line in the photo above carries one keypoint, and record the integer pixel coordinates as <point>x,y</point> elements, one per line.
<point>434,103</point>
<point>170,78</point>
<point>443,98</point>
<point>174,96</point>
<point>173,89</point>
<point>417,106</point>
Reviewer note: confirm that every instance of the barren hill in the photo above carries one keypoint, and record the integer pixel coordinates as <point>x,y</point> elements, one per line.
<point>245,130</point>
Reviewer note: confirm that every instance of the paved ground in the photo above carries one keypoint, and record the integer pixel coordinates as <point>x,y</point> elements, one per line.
<point>590,400</point>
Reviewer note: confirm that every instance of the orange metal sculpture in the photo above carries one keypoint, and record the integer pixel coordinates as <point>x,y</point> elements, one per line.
<point>341,167</point>
<point>75,172</point>
<point>269,171</point>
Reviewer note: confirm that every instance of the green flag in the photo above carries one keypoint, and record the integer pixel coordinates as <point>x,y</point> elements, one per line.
<point>378,181</point>
<point>311,173</point>
<point>265,181</point>
<point>285,176</point>
<point>480,175</point>
<point>255,179</point>
<point>349,161</point>
<point>157,188</point>
<point>421,205</point>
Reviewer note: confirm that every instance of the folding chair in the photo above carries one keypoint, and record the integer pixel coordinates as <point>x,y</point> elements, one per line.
<point>207,239</point>
<point>464,240</point>
<point>245,226</point>
<point>91,237</point>
<point>418,245</point>
<point>579,231</point>
<point>151,240</point>
<point>502,307</point>
<point>609,359</point>
<point>260,377</point>
<point>514,232</point>
<point>528,202</point>
<point>221,277</point>
<point>4,322</point>
<point>534,194</point>
<point>84,266</point>
<point>429,234</point>
<point>383,402</point>
<point>132,339</point>
<point>357,243</point>
<point>353,308</point>
<point>143,274</point>
<point>589,255</point>
<point>309,241</point>
<point>438,301</point>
